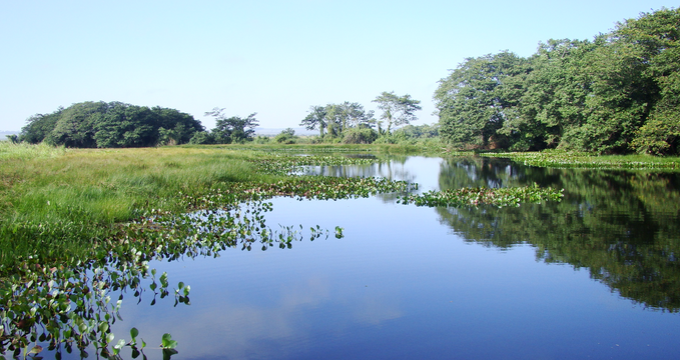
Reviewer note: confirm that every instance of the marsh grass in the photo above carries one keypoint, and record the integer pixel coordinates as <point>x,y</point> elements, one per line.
<point>22,151</point>
<point>55,201</point>
<point>61,204</point>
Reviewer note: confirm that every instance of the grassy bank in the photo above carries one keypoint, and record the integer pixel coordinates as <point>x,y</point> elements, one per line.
<point>402,148</point>
<point>54,201</point>
<point>58,204</point>
<point>565,159</point>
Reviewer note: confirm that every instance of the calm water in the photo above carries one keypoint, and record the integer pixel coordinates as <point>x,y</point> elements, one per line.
<point>595,276</point>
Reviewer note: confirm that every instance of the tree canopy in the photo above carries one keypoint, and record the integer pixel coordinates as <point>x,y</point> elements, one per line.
<point>335,120</point>
<point>397,110</point>
<point>616,94</point>
<point>105,125</point>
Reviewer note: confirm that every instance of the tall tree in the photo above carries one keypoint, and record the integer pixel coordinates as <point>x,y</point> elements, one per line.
<point>315,119</point>
<point>397,110</point>
<point>657,36</point>
<point>337,118</point>
<point>232,129</point>
<point>472,102</point>
<point>553,100</point>
<point>39,126</point>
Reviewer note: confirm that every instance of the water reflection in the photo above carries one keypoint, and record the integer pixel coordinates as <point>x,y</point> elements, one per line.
<point>400,285</point>
<point>392,168</point>
<point>622,226</point>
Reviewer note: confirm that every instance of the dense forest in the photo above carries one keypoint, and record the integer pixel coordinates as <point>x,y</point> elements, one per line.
<point>618,93</point>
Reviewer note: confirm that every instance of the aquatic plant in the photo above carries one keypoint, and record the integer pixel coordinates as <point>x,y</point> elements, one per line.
<point>500,197</point>
<point>568,159</point>
<point>73,305</point>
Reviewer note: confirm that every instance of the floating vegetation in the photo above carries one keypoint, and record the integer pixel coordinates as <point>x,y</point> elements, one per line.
<point>309,187</point>
<point>72,306</point>
<point>565,159</point>
<point>511,196</point>
<point>284,165</point>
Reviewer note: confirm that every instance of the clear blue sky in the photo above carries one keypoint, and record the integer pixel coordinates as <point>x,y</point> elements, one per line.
<point>276,58</point>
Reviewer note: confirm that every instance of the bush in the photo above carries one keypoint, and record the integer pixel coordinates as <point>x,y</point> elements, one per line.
<point>360,136</point>
<point>286,137</point>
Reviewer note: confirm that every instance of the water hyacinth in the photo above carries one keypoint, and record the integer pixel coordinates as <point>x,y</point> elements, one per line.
<point>500,197</point>
<point>284,165</point>
<point>72,306</point>
<point>566,159</point>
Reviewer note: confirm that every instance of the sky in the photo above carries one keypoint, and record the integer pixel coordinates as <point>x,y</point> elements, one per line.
<point>275,58</point>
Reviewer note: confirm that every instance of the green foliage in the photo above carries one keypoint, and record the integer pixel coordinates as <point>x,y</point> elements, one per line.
<point>106,125</point>
<point>397,110</point>
<point>232,129</point>
<point>333,120</point>
<point>262,140</point>
<point>202,138</point>
<point>23,151</point>
<point>569,159</point>
<point>500,197</point>
<point>418,131</point>
<point>360,136</point>
<point>473,101</point>
<point>286,136</point>
<point>616,94</point>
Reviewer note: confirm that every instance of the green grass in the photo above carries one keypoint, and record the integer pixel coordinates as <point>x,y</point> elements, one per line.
<point>331,148</point>
<point>565,159</point>
<point>9,151</point>
<point>54,201</point>
<point>58,204</point>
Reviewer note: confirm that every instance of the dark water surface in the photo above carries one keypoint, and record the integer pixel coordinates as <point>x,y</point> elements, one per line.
<point>595,276</point>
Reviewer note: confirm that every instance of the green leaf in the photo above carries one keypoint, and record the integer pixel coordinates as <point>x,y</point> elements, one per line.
<point>133,333</point>
<point>167,342</point>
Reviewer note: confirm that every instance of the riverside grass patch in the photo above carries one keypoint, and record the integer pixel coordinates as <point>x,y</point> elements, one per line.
<point>568,159</point>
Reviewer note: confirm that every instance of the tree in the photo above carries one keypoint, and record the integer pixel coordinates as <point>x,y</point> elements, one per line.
<point>657,36</point>
<point>554,93</point>
<point>397,110</point>
<point>39,126</point>
<point>126,125</point>
<point>233,129</point>
<point>360,135</point>
<point>315,119</point>
<point>337,118</point>
<point>115,124</point>
<point>471,101</point>
<point>286,136</point>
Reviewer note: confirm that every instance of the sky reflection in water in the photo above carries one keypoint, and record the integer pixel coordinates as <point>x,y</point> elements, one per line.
<point>401,284</point>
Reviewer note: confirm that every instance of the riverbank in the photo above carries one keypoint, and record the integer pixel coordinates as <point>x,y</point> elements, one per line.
<point>567,159</point>
<point>58,204</point>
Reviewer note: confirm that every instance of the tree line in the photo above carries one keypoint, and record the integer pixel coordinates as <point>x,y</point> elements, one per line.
<point>618,93</point>
<point>349,122</point>
<point>116,124</point>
